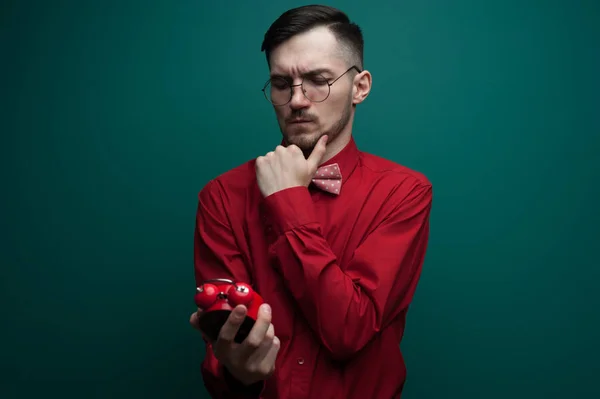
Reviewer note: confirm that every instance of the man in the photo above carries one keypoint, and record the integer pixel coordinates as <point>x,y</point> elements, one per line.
<point>331,237</point>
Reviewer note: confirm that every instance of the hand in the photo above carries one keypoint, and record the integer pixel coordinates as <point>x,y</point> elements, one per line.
<point>286,167</point>
<point>252,360</point>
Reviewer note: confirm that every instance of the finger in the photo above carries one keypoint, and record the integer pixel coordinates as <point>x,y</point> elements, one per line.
<point>195,319</point>
<point>257,333</point>
<point>317,153</point>
<point>195,322</point>
<point>229,330</point>
<point>267,365</point>
<point>259,354</point>
<point>295,149</point>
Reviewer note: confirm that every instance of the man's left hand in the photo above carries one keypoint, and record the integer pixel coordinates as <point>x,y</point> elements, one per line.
<point>286,167</point>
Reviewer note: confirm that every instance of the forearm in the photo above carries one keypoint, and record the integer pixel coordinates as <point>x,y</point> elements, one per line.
<point>217,256</point>
<point>348,305</point>
<point>343,317</point>
<point>220,384</point>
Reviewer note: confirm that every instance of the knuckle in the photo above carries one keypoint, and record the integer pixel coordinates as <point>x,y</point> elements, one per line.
<point>233,321</point>
<point>267,369</point>
<point>226,333</point>
<point>261,325</point>
<point>270,335</point>
<point>253,342</point>
<point>267,342</point>
<point>223,336</point>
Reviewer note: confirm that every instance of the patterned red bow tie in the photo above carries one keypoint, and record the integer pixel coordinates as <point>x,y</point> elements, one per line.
<point>329,178</point>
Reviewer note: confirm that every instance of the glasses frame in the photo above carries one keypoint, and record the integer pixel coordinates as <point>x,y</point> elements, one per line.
<point>329,84</point>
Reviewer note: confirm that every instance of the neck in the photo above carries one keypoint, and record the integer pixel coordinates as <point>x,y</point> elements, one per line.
<point>338,144</point>
<point>341,140</point>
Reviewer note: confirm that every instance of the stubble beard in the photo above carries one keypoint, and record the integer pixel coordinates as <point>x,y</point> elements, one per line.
<point>307,142</point>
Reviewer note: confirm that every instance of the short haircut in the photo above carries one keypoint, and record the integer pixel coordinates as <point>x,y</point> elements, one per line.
<point>302,19</point>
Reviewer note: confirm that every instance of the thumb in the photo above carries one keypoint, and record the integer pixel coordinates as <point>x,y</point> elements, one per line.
<point>195,322</point>
<point>317,153</point>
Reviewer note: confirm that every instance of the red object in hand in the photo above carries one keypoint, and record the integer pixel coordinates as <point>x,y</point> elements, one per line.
<point>218,297</point>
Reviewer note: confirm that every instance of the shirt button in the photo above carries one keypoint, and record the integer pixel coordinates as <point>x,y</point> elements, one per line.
<point>300,360</point>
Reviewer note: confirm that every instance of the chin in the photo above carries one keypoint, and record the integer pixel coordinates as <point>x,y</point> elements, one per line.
<point>305,140</point>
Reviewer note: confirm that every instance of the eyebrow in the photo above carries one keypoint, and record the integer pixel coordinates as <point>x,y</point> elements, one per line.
<point>316,71</point>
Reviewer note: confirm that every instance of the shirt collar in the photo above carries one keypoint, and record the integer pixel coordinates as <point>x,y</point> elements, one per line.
<point>347,159</point>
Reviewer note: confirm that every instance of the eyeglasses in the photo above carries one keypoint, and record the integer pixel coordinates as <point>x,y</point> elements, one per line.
<point>315,87</point>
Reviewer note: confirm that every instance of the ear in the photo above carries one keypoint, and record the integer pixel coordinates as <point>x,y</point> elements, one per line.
<point>362,87</point>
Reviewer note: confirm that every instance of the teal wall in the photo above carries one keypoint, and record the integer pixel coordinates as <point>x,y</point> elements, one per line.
<point>116,113</point>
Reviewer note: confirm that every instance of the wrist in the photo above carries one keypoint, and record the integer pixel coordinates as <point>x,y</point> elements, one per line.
<point>239,386</point>
<point>289,209</point>
<point>277,190</point>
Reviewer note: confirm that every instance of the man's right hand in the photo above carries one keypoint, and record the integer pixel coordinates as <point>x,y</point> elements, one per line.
<point>254,359</point>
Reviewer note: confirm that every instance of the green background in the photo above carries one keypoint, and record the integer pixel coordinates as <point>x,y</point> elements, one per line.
<point>116,113</point>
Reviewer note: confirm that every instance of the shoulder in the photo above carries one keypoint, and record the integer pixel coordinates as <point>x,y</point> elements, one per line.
<point>399,193</point>
<point>231,184</point>
<point>395,189</point>
<point>387,172</point>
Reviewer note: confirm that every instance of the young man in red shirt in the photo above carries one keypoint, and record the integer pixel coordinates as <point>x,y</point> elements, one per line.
<point>331,237</point>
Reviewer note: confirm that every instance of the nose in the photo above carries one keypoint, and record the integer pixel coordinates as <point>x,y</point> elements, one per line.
<point>298,100</point>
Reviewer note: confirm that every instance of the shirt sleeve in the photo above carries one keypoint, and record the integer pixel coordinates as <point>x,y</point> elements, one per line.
<point>347,305</point>
<point>216,256</point>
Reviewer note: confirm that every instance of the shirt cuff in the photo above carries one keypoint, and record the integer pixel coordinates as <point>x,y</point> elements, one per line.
<point>289,208</point>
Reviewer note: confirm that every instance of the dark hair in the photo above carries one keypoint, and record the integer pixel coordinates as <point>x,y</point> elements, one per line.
<point>301,19</point>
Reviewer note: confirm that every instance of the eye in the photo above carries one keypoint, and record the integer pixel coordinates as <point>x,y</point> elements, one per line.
<point>317,80</point>
<point>280,84</point>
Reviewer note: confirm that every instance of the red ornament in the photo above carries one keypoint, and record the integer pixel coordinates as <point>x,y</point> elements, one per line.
<point>240,294</point>
<point>218,297</point>
<point>206,295</point>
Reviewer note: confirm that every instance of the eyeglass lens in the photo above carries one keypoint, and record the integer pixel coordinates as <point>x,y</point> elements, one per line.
<point>315,88</point>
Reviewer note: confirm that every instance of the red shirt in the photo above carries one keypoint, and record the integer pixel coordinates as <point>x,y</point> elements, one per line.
<point>339,272</point>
